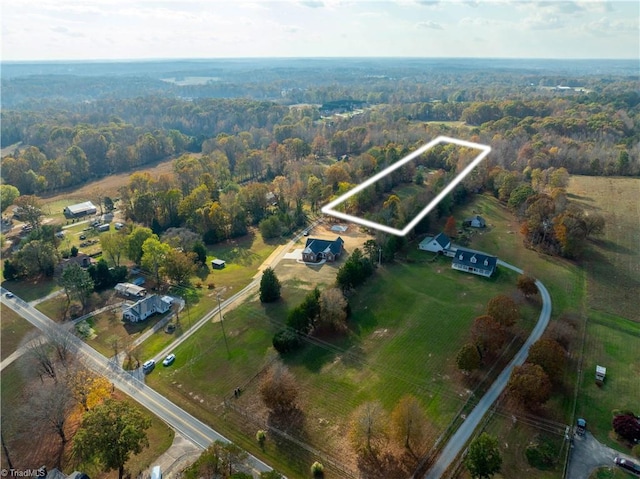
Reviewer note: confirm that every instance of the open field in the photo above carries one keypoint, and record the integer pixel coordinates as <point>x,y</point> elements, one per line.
<point>612,342</point>
<point>613,261</point>
<point>27,449</point>
<point>424,309</point>
<point>108,186</point>
<point>30,290</point>
<point>13,330</point>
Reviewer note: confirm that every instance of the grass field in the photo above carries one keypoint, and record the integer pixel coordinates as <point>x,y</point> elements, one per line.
<point>611,472</point>
<point>595,291</point>
<point>611,342</point>
<point>613,261</point>
<point>13,329</point>
<point>31,289</point>
<point>406,323</point>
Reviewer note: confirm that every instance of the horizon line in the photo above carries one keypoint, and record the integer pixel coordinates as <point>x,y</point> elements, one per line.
<point>364,57</point>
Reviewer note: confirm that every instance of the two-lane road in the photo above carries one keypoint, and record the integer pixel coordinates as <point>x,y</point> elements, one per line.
<point>192,428</point>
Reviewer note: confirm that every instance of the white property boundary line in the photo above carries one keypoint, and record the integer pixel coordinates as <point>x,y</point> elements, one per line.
<point>328,209</point>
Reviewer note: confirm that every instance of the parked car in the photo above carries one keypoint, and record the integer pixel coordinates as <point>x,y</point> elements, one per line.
<point>9,295</point>
<point>168,361</point>
<point>627,464</point>
<point>148,366</point>
<point>83,237</point>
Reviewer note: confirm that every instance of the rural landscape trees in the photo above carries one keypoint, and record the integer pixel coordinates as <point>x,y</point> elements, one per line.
<point>110,433</point>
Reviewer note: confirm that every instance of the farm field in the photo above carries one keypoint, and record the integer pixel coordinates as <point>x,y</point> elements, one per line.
<point>406,325</point>
<point>612,262</point>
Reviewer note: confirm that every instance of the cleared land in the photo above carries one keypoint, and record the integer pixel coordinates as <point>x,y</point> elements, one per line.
<point>407,322</point>
<point>613,261</point>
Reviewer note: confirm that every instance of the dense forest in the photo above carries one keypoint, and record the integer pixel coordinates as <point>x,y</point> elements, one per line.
<point>291,136</point>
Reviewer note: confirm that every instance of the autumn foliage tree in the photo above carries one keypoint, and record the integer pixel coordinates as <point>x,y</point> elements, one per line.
<point>488,334</point>
<point>529,385</point>
<point>410,426</point>
<point>627,426</point>
<point>450,227</point>
<point>549,355</point>
<point>279,390</point>
<point>527,285</point>
<point>504,310</point>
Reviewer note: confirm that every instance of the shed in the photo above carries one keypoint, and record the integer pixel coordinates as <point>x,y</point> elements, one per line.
<point>218,263</point>
<point>80,209</point>
<point>129,289</point>
<point>600,373</point>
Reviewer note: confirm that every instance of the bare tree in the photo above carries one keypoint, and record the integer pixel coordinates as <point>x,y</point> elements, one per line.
<point>63,344</point>
<point>333,310</point>
<point>368,426</point>
<point>39,350</point>
<point>49,406</point>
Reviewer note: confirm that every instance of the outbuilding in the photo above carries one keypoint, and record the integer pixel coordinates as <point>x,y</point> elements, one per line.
<point>218,263</point>
<point>435,244</point>
<point>80,209</point>
<point>601,372</point>
<point>130,290</point>
<point>476,221</point>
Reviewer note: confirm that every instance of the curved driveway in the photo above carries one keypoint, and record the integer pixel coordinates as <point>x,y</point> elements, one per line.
<point>464,432</point>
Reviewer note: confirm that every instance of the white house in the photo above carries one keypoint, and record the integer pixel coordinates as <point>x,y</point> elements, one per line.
<point>145,307</point>
<point>435,244</point>
<point>80,209</point>
<point>474,262</point>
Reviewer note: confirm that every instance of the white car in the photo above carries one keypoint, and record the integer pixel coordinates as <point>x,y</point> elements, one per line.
<point>9,295</point>
<point>169,360</point>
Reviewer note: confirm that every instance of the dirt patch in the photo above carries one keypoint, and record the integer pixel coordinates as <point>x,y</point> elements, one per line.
<point>324,274</point>
<point>109,185</point>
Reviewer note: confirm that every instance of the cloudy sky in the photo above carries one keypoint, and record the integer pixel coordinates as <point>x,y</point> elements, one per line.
<point>136,29</point>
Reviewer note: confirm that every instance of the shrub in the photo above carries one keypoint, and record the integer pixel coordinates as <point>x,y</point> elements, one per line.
<point>541,454</point>
<point>317,469</point>
<point>286,341</point>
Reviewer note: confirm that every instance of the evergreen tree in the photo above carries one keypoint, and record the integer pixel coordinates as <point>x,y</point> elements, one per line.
<point>269,286</point>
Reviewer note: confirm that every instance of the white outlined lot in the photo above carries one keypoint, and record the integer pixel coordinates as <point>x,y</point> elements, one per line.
<point>329,208</point>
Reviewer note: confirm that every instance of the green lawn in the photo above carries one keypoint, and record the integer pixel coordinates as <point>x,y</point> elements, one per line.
<point>611,342</point>
<point>406,325</point>
<point>610,472</point>
<point>13,329</point>
<point>28,290</point>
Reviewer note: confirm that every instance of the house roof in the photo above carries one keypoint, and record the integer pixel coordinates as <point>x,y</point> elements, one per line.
<point>129,288</point>
<point>443,240</point>
<point>315,246</point>
<point>478,218</point>
<point>81,207</point>
<point>143,305</point>
<point>218,261</point>
<point>474,259</point>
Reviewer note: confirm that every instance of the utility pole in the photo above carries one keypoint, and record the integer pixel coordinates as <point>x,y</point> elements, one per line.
<point>379,255</point>
<point>222,326</point>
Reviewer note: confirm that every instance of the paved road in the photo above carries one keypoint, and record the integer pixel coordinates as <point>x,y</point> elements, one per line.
<point>464,432</point>
<point>587,454</point>
<point>190,427</point>
<point>214,314</point>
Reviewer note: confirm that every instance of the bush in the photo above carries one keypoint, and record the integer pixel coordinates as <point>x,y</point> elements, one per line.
<point>286,341</point>
<point>541,454</point>
<point>627,427</point>
<point>317,469</point>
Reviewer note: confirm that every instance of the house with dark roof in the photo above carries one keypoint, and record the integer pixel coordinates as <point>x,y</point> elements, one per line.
<point>316,250</point>
<point>476,221</point>
<point>142,309</point>
<point>435,244</point>
<point>474,262</point>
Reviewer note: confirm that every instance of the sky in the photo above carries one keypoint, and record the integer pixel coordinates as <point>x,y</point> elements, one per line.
<point>151,29</point>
